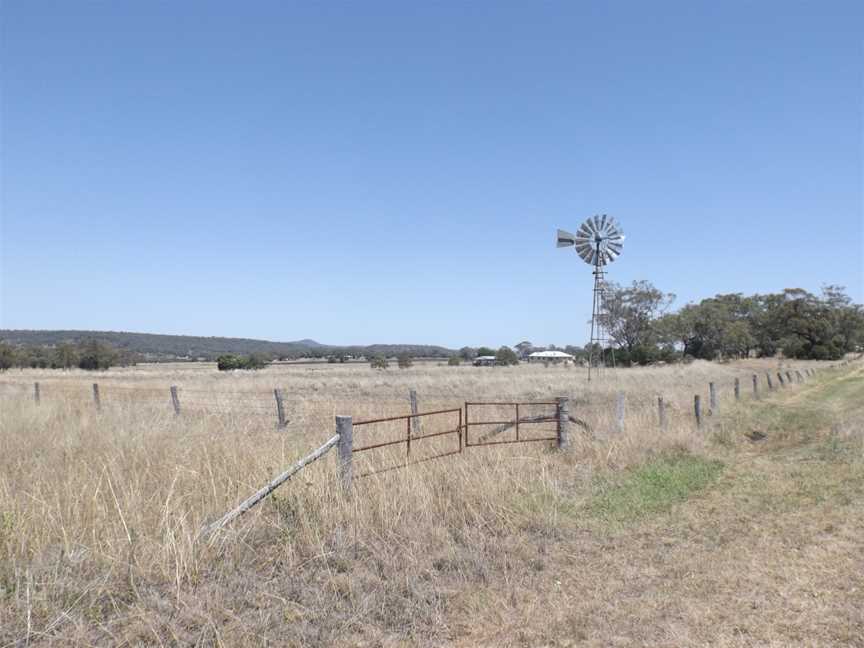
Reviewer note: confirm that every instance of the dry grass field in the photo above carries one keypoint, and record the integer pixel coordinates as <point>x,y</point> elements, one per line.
<point>748,532</point>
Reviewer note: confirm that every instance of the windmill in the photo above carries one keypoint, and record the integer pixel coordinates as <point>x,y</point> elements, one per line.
<point>599,241</point>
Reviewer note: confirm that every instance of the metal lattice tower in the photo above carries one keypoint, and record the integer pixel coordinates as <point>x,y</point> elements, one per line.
<point>598,241</point>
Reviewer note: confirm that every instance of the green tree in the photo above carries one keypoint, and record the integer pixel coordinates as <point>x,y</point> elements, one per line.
<point>228,362</point>
<point>378,362</point>
<point>95,355</point>
<point>454,361</point>
<point>404,360</point>
<point>7,356</point>
<point>65,356</point>
<point>631,317</point>
<point>485,351</point>
<point>254,361</point>
<point>524,349</point>
<point>506,356</point>
<point>467,353</point>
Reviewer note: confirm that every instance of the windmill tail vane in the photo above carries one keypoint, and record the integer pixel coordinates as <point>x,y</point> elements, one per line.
<point>598,242</point>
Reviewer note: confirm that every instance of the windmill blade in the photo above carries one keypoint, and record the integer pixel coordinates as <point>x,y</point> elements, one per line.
<point>564,239</point>
<point>597,241</point>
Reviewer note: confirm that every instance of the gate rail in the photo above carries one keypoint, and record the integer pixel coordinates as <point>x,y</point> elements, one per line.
<point>410,437</point>
<point>503,426</point>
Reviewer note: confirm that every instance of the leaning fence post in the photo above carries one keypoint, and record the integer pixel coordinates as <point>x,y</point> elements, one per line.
<point>697,410</point>
<point>712,398</point>
<point>661,413</point>
<point>96,401</point>
<point>770,384</point>
<point>737,389</point>
<point>563,423</point>
<point>280,409</point>
<point>619,411</point>
<point>345,430</point>
<point>415,420</point>
<point>789,377</point>
<point>780,378</point>
<point>799,376</point>
<point>36,395</point>
<point>755,386</point>
<point>175,400</point>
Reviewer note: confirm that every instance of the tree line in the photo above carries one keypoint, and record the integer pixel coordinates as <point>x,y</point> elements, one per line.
<point>158,347</point>
<point>642,329</point>
<point>794,322</point>
<point>90,355</point>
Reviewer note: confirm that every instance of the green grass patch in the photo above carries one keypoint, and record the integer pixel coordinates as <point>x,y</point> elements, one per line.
<point>653,487</point>
<point>847,390</point>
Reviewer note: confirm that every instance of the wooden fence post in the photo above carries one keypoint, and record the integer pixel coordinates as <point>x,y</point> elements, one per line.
<point>755,386</point>
<point>799,376</point>
<point>96,401</point>
<point>416,428</point>
<point>175,400</point>
<point>563,423</point>
<point>780,378</point>
<point>345,446</point>
<point>280,409</point>
<point>789,377</point>
<point>737,389</point>
<point>661,413</point>
<point>770,384</point>
<point>712,398</point>
<point>620,404</point>
<point>697,410</point>
<point>36,395</point>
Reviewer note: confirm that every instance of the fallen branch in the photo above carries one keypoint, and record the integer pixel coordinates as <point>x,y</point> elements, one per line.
<point>585,427</point>
<point>269,488</point>
<point>532,419</point>
<point>506,426</point>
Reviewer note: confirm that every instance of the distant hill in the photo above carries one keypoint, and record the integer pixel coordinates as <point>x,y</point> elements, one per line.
<point>165,347</point>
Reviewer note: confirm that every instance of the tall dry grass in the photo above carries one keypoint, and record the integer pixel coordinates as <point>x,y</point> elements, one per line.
<point>101,510</point>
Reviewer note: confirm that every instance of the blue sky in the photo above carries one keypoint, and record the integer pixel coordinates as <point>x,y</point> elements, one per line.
<point>395,172</point>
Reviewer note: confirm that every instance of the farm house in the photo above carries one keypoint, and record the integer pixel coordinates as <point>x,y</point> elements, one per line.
<point>484,361</point>
<point>554,357</point>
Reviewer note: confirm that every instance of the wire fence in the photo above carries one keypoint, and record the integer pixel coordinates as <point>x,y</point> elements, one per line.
<point>394,442</point>
<point>272,405</point>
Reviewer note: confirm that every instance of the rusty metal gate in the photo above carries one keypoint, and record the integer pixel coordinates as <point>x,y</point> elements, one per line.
<point>490,423</point>
<point>399,430</point>
<point>498,418</point>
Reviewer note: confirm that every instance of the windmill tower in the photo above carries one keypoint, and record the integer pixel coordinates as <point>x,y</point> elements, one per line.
<point>598,241</point>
